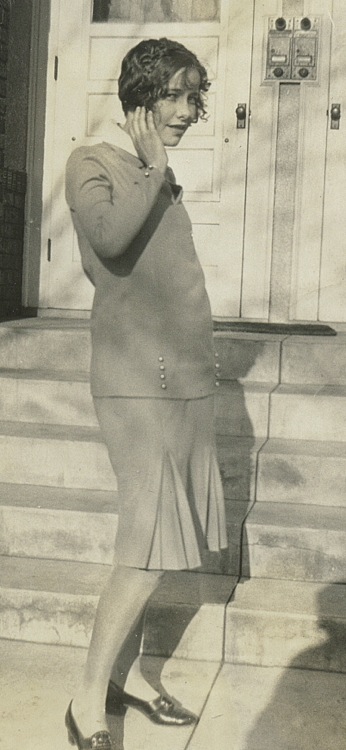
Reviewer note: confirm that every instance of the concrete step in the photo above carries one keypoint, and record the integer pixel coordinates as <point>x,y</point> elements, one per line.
<point>287,624</point>
<point>76,457</point>
<point>53,463</point>
<point>80,525</point>
<point>249,357</point>
<point>268,622</point>
<point>314,360</point>
<point>242,409</point>
<point>301,471</point>
<point>308,413</point>
<point>58,523</point>
<point>54,455</point>
<point>49,601</point>
<point>295,542</point>
<point>63,397</point>
<point>47,397</point>
<point>45,343</point>
<point>237,457</point>
<point>319,360</point>
<point>64,343</point>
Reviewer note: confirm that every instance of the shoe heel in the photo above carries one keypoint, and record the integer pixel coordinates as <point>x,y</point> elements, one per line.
<point>117,709</point>
<point>70,738</point>
<point>121,710</point>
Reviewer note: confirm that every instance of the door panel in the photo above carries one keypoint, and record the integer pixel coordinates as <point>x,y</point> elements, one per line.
<point>332,303</point>
<point>310,178</point>
<point>62,281</point>
<point>260,174</point>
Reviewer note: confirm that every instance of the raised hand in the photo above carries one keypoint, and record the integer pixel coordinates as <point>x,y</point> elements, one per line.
<point>147,142</point>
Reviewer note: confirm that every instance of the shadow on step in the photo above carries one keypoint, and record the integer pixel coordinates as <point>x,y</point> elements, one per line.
<point>238,445</point>
<point>307,706</point>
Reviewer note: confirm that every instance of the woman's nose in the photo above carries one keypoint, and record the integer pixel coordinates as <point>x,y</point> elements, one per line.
<point>184,110</point>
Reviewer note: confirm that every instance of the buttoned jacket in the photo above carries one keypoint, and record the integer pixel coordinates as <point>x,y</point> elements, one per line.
<point>151,322</point>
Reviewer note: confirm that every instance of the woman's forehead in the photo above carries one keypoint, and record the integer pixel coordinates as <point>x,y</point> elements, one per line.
<point>185,78</point>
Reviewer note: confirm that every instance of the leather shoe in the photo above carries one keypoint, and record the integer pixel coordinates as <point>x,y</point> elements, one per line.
<point>98,741</point>
<point>161,710</point>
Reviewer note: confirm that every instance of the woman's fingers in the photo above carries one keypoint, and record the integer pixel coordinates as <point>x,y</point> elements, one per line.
<point>137,123</point>
<point>142,127</point>
<point>150,121</point>
<point>146,139</point>
<point>143,120</point>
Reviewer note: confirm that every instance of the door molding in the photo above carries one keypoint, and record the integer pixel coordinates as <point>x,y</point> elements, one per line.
<point>40,27</point>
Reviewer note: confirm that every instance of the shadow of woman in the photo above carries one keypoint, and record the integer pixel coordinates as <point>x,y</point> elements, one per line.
<point>237,442</point>
<point>307,708</point>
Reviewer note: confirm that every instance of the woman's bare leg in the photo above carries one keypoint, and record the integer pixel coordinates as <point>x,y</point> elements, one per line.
<point>121,603</point>
<point>128,672</point>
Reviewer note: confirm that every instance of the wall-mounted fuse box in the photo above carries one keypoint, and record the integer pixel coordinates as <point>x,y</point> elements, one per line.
<point>292,48</point>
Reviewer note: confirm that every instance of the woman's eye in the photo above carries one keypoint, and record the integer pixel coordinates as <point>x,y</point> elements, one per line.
<point>171,97</point>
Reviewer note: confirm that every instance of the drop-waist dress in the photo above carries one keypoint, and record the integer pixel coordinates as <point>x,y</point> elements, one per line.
<point>154,370</point>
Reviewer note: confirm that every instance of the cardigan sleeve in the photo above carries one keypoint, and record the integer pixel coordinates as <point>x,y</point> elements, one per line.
<point>111,208</point>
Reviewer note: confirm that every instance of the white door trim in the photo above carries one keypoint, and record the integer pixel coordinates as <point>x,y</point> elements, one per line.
<point>35,151</point>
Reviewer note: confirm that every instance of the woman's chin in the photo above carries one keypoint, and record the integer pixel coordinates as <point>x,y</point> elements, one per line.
<point>172,139</point>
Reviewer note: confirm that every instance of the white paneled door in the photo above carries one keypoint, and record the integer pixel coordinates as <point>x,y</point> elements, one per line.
<point>87,43</point>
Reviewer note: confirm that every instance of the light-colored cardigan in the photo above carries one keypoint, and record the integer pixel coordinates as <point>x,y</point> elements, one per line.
<point>151,321</point>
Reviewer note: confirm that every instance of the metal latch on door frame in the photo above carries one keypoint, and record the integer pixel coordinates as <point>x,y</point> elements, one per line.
<point>241,115</point>
<point>335,114</point>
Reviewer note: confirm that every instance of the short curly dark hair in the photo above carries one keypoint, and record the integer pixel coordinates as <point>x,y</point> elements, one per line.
<point>148,67</point>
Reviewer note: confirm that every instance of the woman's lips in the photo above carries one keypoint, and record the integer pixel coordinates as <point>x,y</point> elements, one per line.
<point>180,128</point>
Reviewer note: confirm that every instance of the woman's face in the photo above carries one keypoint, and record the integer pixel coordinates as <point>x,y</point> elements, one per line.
<point>175,113</point>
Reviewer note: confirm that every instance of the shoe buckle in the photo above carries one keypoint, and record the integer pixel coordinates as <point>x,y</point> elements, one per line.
<point>101,741</point>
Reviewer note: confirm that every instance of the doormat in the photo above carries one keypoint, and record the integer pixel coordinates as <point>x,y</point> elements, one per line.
<point>286,329</point>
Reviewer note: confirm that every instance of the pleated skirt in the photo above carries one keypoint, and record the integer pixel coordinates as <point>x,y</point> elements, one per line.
<point>171,503</point>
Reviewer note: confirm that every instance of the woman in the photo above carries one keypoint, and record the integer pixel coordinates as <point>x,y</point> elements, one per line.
<point>153,366</point>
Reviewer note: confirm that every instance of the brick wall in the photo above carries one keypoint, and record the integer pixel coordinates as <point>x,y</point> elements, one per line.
<point>12,195</point>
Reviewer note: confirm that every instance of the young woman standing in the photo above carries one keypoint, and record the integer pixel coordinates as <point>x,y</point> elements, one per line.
<point>153,368</point>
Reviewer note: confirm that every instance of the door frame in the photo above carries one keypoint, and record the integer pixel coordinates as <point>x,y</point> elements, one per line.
<point>36,133</point>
